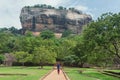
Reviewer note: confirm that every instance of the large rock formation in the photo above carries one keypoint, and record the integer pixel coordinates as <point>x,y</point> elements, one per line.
<point>40,18</point>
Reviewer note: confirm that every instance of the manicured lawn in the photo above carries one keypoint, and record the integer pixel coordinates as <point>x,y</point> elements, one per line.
<point>33,73</point>
<point>88,74</point>
<point>114,70</point>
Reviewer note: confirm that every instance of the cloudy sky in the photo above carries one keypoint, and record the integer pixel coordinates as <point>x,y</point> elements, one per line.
<point>10,9</point>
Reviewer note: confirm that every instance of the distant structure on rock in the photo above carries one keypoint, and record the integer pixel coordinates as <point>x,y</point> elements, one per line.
<point>40,17</point>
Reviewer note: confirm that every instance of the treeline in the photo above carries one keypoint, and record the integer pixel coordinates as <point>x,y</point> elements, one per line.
<point>51,7</point>
<point>12,30</point>
<point>98,45</point>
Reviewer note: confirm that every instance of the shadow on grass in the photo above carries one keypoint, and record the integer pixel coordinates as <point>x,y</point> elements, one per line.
<point>28,67</point>
<point>9,74</point>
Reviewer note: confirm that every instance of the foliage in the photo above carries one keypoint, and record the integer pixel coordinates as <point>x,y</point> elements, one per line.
<point>1,58</point>
<point>6,39</point>
<point>42,6</point>
<point>12,30</point>
<point>64,48</point>
<point>66,33</point>
<point>80,50</point>
<point>102,37</point>
<point>47,34</point>
<point>61,8</point>
<point>28,34</point>
<point>3,29</point>
<point>42,56</point>
<point>71,60</point>
<point>23,57</point>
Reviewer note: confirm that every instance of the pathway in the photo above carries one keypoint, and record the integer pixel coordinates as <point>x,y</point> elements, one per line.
<point>55,76</point>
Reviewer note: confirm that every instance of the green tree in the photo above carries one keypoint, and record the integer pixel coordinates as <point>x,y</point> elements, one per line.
<point>49,7</point>
<point>4,29</point>
<point>13,30</point>
<point>64,48</point>
<point>61,7</point>
<point>47,34</point>
<point>23,57</point>
<point>43,56</point>
<point>81,52</point>
<point>71,60</point>
<point>6,39</point>
<point>66,33</point>
<point>29,34</point>
<point>1,58</point>
<point>102,36</point>
<point>26,44</point>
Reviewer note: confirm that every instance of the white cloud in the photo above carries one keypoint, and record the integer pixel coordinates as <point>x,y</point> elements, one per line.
<point>82,8</point>
<point>85,10</point>
<point>9,13</point>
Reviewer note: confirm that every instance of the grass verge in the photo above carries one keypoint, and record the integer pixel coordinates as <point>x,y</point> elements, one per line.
<point>32,73</point>
<point>87,74</point>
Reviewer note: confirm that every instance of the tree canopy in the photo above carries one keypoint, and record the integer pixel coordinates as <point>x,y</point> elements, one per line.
<point>103,37</point>
<point>47,34</point>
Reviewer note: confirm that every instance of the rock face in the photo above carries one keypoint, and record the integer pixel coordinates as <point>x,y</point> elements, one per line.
<point>58,20</point>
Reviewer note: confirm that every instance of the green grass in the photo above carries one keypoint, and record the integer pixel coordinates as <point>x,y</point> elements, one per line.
<point>88,74</point>
<point>33,73</point>
<point>73,74</point>
<point>114,70</point>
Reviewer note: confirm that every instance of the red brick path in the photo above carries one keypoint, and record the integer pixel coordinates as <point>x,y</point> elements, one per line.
<point>55,76</point>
